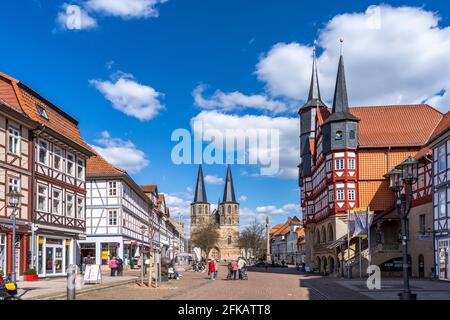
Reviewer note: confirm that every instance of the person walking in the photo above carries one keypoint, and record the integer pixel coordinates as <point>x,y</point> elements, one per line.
<point>241,266</point>
<point>230,271</point>
<point>113,266</point>
<point>234,268</point>
<point>216,270</point>
<point>212,269</point>
<point>119,267</point>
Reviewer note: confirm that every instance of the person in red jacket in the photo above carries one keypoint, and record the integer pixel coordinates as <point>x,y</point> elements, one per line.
<point>212,269</point>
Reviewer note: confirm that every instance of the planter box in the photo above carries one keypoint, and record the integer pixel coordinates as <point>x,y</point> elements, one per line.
<point>31,278</point>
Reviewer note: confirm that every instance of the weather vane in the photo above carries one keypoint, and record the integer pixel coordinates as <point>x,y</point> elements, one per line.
<point>341,40</point>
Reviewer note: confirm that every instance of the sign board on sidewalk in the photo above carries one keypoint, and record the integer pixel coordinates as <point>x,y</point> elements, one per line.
<point>92,274</point>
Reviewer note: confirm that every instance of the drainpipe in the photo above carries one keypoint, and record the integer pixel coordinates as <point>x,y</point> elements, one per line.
<point>36,133</point>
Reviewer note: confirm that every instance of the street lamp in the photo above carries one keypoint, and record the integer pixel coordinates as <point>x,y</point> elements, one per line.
<point>14,202</point>
<point>402,179</point>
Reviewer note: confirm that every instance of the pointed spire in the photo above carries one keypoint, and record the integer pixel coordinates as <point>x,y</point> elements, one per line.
<point>341,110</point>
<point>314,99</point>
<point>228,193</point>
<point>200,191</point>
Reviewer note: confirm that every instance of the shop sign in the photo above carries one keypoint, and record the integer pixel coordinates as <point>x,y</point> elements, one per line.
<point>68,243</point>
<point>41,240</point>
<point>92,274</point>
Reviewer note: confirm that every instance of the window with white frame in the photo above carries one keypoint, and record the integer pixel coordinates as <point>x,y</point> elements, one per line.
<point>56,201</point>
<point>42,197</point>
<point>351,164</point>
<point>340,194</point>
<point>339,164</point>
<point>69,205</point>
<point>80,169</point>
<point>13,184</point>
<point>351,194</point>
<point>442,163</point>
<point>13,141</point>
<point>57,158</point>
<point>112,188</point>
<point>442,203</point>
<point>43,152</point>
<point>80,208</point>
<point>112,217</point>
<point>70,164</point>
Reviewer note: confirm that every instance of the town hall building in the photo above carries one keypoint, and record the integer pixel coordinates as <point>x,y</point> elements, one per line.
<point>225,217</point>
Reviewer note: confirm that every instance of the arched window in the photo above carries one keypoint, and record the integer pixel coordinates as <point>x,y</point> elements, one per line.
<point>317,236</point>
<point>330,233</point>
<point>229,209</point>
<point>229,240</point>
<point>324,235</point>
<point>229,220</point>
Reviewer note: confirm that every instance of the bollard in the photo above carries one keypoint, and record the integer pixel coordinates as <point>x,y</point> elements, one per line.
<point>71,285</point>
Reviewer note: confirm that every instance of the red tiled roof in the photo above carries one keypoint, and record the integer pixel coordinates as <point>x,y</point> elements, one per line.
<point>425,151</point>
<point>442,127</point>
<point>97,165</point>
<point>394,126</point>
<point>24,99</point>
<point>149,188</point>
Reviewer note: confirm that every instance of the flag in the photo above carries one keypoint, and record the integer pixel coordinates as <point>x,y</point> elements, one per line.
<point>360,220</point>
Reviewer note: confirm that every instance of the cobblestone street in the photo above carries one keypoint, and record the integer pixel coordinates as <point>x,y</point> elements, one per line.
<point>285,285</point>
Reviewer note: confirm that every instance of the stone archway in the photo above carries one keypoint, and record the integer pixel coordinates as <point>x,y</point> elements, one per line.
<point>331,264</point>
<point>324,264</point>
<point>318,264</point>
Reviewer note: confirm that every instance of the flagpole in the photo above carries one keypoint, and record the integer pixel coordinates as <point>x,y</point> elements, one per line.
<point>348,242</point>
<point>368,237</point>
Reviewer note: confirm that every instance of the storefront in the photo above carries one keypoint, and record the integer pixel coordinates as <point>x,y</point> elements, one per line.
<point>54,255</point>
<point>443,267</point>
<point>101,249</point>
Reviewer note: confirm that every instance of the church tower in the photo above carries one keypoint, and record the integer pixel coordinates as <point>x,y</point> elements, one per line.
<point>308,120</point>
<point>229,220</point>
<point>200,208</point>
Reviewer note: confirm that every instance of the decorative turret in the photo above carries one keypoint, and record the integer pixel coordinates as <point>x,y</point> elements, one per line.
<point>228,193</point>
<point>308,119</point>
<point>341,127</point>
<point>229,208</point>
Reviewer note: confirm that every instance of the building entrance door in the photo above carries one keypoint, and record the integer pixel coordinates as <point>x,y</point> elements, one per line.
<point>54,260</point>
<point>421,266</point>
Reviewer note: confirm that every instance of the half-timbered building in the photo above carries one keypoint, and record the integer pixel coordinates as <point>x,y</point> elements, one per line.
<point>58,156</point>
<point>440,144</point>
<point>15,175</point>
<point>118,214</point>
<point>345,154</point>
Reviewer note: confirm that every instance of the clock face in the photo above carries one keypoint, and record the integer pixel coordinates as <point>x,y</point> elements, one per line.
<point>339,135</point>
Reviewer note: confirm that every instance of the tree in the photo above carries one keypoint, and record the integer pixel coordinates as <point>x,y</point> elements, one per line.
<point>205,237</point>
<point>253,238</point>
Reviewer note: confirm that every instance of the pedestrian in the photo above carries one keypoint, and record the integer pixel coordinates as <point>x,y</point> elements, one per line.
<point>230,271</point>
<point>216,271</point>
<point>113,266</point>
<point>212,269</point>
<point>119,267</point>
<point>241,266</point>
<point>234,268</point>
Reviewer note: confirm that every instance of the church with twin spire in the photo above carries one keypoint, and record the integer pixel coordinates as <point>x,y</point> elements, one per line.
<point>225,217</point>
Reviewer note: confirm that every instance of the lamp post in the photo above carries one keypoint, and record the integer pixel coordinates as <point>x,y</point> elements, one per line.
<point>143,228</point>
<point>402,179</point>
<point>14,202</point>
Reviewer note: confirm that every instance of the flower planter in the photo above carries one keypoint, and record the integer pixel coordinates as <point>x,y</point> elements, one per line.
<point>31,277</point>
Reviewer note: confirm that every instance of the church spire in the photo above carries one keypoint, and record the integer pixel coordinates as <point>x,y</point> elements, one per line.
<point>314,98</point>
<point>341,110</point>
<point>200,191</point>
<point>228,193</point>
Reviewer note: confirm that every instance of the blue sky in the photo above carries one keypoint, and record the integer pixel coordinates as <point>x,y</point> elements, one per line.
<point>248,56</point>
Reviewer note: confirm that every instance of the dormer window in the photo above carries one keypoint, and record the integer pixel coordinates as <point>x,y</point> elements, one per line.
<point>42,112</point>
<point>339,135</point>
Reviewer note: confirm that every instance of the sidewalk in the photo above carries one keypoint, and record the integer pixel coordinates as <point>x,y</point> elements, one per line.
<point>390,287</point>
<point>56,288</point>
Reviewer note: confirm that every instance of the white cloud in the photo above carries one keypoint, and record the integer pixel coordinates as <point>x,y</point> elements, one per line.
<point>126,9</point>
<point>214,180</point>
<point>130,97</point>
<point>121,153</point>
<point>243,198</point>
<point>235,101</point>
<point>288,152</point>
<point>287,209</point>
<point>73,17</point>
<point>392,56</point>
